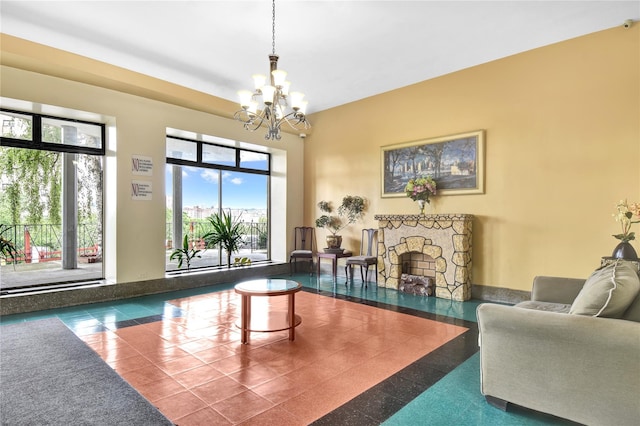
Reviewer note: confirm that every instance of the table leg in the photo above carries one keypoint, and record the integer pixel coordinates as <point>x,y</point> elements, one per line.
<point>246,318</point>
<point>292,317</point>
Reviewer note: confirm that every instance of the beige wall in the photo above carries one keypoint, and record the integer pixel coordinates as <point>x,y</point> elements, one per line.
<point>134,230</point>
<point>562,147</point>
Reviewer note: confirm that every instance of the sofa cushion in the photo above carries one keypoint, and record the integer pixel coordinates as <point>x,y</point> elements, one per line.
<point>633,311</point>
<point>608,292</point>
<point>560,308</point>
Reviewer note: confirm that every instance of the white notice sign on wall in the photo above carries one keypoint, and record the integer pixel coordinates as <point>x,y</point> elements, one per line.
<point>141,190</point>
<point>141,165</point>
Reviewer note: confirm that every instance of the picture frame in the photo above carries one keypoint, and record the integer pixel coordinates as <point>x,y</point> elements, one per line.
<point>456,162</point>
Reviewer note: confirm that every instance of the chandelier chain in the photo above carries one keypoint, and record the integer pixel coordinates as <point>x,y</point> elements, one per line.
<point>273,28</point>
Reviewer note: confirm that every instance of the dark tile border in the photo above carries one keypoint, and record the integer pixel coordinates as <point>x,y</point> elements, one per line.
<point>117,325</point>
<point>383,400</point>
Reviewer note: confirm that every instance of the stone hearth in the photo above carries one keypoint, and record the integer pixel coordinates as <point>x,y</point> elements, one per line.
<point>446,238</point>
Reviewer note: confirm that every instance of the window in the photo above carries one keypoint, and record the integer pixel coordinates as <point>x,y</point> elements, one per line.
<point>51,200</point>
<point>214,154</point>
<point>75,133</point>
<point>17,126</point>
<point>182,150</point>
<point>254,160</point>
<point>203,179</point>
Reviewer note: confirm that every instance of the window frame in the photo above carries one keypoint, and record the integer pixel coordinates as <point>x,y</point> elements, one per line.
<point>200,163</point>
<point>37,143</point>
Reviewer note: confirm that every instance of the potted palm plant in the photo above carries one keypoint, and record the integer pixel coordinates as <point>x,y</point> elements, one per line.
<point>185,254</point>
<point>226,232</point>
<point>350,210</point>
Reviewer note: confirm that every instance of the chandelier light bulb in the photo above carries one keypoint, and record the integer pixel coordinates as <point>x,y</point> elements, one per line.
<point>245,98</point>
<point>303,107</point>
<point>296,100</point>
<point>279,77</point>
<point>259,80</point>
<point>253,107</point>
<point>267,94</point>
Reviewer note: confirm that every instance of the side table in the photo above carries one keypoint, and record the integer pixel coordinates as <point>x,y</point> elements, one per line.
<point>334,260</point>
<point>274,321</point>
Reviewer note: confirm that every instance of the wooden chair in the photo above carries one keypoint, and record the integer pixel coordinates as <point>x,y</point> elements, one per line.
<point>366,258</point>
<point>303,246</point>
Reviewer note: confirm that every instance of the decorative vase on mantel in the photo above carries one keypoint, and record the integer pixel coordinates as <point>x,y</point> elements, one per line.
<point>624,250</point>
<point>421,204</point>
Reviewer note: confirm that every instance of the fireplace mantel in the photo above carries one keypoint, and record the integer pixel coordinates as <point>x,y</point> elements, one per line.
<point>444,237</point>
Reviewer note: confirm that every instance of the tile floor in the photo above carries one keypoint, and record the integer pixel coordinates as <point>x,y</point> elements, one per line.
<point>362,356</point>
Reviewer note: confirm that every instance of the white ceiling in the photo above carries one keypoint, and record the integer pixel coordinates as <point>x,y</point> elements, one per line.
<point>335,51</point>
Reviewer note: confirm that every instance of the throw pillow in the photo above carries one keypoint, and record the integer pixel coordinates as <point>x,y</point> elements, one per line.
<point>608,292</point>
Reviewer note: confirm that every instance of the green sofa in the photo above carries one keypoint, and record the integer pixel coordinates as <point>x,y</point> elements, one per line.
<point>572,351</point>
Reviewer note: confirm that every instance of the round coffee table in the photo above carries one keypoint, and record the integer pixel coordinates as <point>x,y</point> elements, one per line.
<point>273,321</point>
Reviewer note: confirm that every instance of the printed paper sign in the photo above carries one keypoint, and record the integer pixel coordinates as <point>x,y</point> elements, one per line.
<point>141,165</point>
<point>141,190</point>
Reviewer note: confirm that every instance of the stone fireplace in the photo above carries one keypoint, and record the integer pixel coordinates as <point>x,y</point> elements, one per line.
<point>437,246</point>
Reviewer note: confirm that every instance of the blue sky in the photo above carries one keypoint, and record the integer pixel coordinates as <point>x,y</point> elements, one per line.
<point>200,188</point>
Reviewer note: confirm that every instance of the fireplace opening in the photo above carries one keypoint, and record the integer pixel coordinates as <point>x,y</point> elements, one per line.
<point>420,264</point>
<point>418,274</point>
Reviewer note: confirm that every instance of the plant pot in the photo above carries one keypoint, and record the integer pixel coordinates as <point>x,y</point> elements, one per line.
<point>334,241</point>
<point>625,251</point>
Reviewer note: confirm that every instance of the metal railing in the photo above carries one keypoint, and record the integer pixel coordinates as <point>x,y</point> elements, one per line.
<point>43,242</point>
<point>255,235</point>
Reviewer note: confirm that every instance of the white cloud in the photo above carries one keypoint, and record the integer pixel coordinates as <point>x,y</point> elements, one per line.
<point>209,175</point>
<point>236,180</point>
<point>186,170</point>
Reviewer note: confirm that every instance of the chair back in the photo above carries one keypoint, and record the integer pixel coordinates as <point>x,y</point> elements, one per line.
<point>371,236</point>
<point>303,238</point>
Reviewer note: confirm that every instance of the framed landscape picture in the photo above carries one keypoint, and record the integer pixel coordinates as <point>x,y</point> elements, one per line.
<point>456,163</point>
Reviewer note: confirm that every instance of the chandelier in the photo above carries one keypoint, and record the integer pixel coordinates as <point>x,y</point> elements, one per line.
<point>275,98</point>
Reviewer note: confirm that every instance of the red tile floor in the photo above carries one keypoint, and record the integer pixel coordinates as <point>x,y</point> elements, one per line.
<point>196,371</point>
